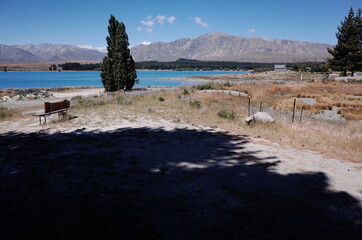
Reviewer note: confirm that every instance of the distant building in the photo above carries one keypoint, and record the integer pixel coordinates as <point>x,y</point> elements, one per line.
<point>280,67</point>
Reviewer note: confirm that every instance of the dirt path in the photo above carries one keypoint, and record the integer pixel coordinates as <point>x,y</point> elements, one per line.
<point>115,174</point>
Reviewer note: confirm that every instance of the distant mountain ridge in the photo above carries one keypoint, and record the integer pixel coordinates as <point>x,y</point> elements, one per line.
<point>207,47</point>
<point>31,53</point>
<point>224,47</point>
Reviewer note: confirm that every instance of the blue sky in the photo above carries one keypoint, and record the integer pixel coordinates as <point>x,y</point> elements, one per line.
<point>85,23</point>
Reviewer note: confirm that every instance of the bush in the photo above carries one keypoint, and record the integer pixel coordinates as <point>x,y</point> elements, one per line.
<point>195,103</point>
<point>225,114</point>
<point>161,99</point>
<point>227,84</point>
<point>185,91</point>
<point>120,99</point>
<point>207,86</point>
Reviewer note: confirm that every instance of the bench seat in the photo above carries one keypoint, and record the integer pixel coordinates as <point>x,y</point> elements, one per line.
<point>52,108</point>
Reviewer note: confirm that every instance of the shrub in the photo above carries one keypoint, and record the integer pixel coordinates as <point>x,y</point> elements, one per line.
<point>195,103</point>
<point>120,99</point>
<point>207,86</point>
<point>225,114</point>
<point>161,99</point>
<point>185,91</point>
<point>227,84</point>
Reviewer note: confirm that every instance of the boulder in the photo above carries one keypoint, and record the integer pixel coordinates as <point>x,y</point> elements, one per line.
<point>260,117</point>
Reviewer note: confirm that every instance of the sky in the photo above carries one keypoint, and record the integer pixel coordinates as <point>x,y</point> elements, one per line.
<point>84,23</point>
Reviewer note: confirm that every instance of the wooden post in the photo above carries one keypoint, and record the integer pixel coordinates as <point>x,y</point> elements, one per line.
<point>301,113</point>
<point>261,104</point>
<point>249,110</point>
<point>294,102</point>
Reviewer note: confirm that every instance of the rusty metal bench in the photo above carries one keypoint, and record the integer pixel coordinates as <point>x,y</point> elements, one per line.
<point>51,108</point>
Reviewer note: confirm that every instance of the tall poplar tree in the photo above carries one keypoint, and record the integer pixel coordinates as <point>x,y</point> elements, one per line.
<point>347,52</point>
<point>118,70</point>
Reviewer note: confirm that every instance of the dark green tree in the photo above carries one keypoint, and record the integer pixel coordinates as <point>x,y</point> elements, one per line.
<point>346,52</point>
<point>358,22</point>
<point>118,70</point>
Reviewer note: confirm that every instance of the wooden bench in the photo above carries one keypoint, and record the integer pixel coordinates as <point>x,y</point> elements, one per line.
<point>51,108</point>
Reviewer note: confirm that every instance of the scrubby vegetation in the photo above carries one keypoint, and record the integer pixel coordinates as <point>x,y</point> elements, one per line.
<point>6,113</point>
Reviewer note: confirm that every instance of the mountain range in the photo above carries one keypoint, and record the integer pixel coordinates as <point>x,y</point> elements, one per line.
<point>210,47</point>
<point>31,53</point>
<point>224,47</point>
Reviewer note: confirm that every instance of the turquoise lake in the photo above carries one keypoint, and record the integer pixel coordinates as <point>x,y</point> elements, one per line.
<point>92,78</point>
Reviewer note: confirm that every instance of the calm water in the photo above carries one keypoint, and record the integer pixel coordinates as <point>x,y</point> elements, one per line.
<point>67,79</point>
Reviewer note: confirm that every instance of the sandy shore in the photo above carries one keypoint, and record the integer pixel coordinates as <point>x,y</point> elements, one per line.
<point>124,171</point>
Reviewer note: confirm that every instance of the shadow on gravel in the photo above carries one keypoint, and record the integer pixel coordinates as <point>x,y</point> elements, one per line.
<point>157,184</point>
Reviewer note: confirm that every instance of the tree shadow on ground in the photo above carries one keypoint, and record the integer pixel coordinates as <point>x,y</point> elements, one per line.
<point>157,184</point>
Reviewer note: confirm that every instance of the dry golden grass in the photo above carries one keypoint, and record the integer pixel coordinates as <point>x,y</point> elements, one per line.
<point>327,95</point>
<point>351,113</point>
<point>6,114</point>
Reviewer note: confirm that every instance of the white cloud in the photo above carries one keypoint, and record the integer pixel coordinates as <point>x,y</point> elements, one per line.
<point>252,30</point>
<point>199,21</point>
<point>145,43</point>
<point>151,22</point>
<point>101,49</point>
<point>171,19</point>
<point>160,19</point>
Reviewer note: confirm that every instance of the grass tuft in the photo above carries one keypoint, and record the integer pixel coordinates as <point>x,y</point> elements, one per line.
<point>226,114</point>
<point>207,86</point>
<point>351,113</point>
<point>195,103</point>
<point>6,113</point>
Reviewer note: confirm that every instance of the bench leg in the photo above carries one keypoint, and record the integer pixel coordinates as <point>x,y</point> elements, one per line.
<point>45,120</point>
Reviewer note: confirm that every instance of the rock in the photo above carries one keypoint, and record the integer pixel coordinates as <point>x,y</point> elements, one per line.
<point>260,117</point>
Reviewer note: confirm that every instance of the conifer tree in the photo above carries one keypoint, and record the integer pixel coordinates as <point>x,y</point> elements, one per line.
<point>118,67</point>
<point>358,22</point>
<point>347,52</point>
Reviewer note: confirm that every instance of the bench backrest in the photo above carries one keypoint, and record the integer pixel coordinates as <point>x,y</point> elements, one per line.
<point>50,107</point>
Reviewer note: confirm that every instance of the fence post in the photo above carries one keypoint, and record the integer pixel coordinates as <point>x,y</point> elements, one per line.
<point>261,104</point>
<point>249,110</point>
<point>294,101</point>
<point>301,113</point>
